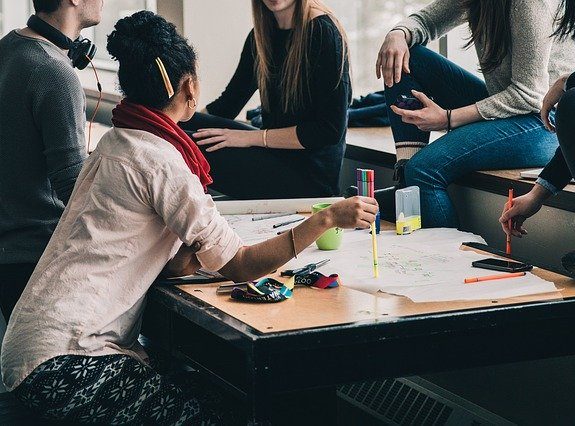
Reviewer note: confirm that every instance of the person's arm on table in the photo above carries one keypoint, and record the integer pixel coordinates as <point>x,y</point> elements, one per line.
<point>252,262</point>
<point>178,198</point>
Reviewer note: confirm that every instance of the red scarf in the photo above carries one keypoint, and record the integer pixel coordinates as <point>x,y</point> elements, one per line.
<point>127,115</point>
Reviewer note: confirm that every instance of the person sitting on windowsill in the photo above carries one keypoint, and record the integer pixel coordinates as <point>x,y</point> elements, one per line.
<point>490,125</point>
<point>561,169</point>
<point>297,57</point>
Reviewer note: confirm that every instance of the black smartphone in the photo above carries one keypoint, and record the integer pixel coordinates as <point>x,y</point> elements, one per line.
<point>502,265</point>
<point>408,102</point>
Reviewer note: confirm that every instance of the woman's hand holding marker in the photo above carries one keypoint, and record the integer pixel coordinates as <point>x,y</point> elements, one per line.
<point>355,212</point>
<point>523,208</point>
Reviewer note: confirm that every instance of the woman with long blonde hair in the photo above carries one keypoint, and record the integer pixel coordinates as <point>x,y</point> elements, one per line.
<point>297,57</point>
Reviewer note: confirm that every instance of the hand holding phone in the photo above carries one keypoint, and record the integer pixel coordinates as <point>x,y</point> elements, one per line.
<point>408,102</point>
<point>501,265</point>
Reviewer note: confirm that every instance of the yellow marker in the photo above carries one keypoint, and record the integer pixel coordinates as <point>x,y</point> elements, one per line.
<point>374,248</point>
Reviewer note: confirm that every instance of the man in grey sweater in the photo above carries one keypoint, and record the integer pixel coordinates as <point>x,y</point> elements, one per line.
<point>42,143</point>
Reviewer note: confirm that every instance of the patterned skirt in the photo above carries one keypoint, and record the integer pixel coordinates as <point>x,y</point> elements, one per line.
<point>115,390</point>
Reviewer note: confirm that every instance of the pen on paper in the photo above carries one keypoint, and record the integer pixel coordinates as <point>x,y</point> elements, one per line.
<point>271,216</point>
<point>289,222</point>
<point>493,277</point>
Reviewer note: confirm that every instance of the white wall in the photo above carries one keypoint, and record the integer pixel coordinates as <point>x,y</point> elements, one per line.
<point>14,15</point>
<point>466,58</point>
<point>218,30</point>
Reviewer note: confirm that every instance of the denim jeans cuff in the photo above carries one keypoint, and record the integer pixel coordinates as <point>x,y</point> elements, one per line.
<point>548,186</point>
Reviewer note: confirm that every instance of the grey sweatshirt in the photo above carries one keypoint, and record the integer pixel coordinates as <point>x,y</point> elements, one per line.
<point>536,60</point>
<point>42,145</point>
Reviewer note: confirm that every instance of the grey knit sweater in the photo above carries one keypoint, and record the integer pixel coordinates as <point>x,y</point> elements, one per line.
<point>536,60</point>
<point>42,145</point>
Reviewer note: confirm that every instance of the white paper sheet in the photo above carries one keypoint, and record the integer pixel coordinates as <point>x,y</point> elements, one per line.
<point>254,232</point>
<point>426,266</point>
<point>300,205</point>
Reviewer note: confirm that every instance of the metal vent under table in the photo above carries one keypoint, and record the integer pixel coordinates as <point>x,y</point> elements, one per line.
<point>415,401</point>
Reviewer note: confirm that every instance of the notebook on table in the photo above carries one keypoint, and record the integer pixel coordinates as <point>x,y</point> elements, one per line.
<point>534,174</point>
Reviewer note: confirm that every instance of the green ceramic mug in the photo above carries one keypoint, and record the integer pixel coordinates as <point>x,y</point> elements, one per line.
<point>330,239</point>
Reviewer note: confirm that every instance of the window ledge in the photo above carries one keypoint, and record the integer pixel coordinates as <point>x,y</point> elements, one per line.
<point>375,146</point>
<point>108,80</point>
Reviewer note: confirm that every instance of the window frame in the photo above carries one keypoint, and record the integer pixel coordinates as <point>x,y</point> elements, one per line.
<point>19,13</point>
<point>14,15</point>
<point>110,64</point>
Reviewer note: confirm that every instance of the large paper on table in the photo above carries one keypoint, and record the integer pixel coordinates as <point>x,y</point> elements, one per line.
<point>300,205</point>
<point>426,266</point>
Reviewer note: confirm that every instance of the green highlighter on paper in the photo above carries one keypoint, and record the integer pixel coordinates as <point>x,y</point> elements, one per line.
<point>407,210</point>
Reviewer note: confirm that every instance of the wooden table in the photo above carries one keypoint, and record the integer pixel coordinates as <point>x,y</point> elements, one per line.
<point>323,338</point>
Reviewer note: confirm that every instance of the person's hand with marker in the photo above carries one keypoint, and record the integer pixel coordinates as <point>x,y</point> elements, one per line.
<point>523,208</point>
<point>431,117</point>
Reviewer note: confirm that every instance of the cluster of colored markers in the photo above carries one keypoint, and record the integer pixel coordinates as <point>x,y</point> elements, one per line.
<point>366,188</point>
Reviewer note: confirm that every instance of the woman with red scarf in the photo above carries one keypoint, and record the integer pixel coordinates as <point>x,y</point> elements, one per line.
<point>139,207</point>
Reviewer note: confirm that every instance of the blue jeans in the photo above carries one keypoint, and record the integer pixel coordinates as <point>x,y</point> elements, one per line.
<point>515,142</point>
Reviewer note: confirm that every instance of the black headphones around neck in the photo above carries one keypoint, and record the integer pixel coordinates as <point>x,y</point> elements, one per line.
<point>79,50</point>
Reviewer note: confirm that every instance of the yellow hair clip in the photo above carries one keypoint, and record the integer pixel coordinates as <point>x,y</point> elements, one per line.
<point>165,77</point>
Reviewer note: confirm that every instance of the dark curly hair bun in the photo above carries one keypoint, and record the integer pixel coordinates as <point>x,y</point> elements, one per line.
<point>135,43</point>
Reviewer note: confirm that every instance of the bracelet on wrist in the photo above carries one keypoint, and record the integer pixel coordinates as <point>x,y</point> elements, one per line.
<point>265,138</point>
<point>448,111</point>
<point>292,234</point>
<point>403,30</point>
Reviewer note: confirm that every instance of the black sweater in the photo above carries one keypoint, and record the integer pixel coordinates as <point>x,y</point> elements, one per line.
<point>322,121</point>
<point>557,172</point>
